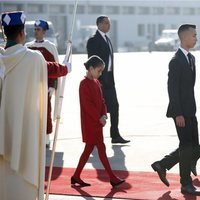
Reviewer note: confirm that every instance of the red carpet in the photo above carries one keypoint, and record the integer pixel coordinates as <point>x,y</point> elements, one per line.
<point>138,185</point>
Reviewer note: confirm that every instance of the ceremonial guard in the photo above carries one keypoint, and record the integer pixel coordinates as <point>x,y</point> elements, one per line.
<point>50,53</point>
<point>23,112</point>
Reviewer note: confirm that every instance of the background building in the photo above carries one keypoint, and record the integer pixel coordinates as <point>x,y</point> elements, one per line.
<point>135,23</point>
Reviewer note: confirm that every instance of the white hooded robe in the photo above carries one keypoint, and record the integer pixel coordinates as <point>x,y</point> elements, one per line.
<point>23,112</point>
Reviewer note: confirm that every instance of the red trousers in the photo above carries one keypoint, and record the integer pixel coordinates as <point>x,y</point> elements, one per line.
<point>103,157</point>
<point>49,118</point>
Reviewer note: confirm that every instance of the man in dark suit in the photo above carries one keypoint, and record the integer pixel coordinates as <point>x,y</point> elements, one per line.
<point>101,46</point>
<point>182,108</point>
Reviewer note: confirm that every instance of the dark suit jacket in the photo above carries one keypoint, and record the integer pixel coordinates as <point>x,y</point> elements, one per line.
<point>97,45</point>
<point>181,80</point>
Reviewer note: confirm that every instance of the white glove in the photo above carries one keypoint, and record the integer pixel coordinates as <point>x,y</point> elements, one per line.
<point>68,65</point>
<point>51,91</point>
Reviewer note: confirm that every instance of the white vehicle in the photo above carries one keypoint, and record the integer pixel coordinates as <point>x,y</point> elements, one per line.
<point>168,41</point>
<point>81,37</point>
<point>49,35</point>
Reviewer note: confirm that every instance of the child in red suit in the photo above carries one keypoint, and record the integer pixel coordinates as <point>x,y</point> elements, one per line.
<point>93,118</point>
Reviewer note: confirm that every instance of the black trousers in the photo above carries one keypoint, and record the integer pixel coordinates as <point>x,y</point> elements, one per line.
<point>110,96</point>
<point>188,151</point>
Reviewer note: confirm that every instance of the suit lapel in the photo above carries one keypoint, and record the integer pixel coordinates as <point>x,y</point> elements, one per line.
<point>184,62</point>
<point>105,42</point>
<point>101,37</point>
<point>182,58</point>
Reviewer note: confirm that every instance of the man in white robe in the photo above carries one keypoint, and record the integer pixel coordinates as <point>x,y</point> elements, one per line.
<point>23,112</point>
<point>50,53</point>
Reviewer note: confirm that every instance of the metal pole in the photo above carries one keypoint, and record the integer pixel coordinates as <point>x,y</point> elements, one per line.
<point>68,54</point>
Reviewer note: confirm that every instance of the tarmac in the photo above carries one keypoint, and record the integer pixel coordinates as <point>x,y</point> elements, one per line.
<point>143,99</point>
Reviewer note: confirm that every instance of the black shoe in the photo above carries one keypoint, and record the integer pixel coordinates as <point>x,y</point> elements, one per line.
<point>161,172</point>
<point>79,182</point>
<point>190,189</point>
<point>119,140</point>
<point>118,183</point>
<point>193,168</point>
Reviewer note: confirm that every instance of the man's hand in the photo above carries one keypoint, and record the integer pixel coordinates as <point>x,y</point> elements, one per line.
<point>180,121</point>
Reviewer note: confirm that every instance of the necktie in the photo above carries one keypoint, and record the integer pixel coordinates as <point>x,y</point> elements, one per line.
<point>107,40</point>
<point>109,43</point>
<point>110,62</point>
<point>191,63</point>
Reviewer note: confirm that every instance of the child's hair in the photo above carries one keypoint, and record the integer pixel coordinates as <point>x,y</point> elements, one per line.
<point>94,61</point>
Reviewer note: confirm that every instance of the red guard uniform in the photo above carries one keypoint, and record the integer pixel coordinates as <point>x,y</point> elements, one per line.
<point>50,53</point>
<point>56,70</point>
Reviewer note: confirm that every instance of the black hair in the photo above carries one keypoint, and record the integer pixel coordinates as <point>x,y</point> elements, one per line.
<point>100,19</point>
<point>185,27</point>
<point>12,32</point>
<point>94,61</point>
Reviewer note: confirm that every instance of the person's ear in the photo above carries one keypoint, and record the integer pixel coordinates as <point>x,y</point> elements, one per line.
<point>22,33</point>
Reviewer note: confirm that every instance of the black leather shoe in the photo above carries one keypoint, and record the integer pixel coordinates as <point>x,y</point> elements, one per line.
<point>193,168</point>
<point>190,189</point>
<point>79,182</point>
<point>118,183</point>
<point>161,172</point>
<point>119,140</point>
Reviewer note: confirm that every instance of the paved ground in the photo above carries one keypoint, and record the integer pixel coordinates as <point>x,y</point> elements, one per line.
<point>141,82</point>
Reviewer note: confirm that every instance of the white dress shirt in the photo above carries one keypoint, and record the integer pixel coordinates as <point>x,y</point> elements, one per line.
<point>110,59</point>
